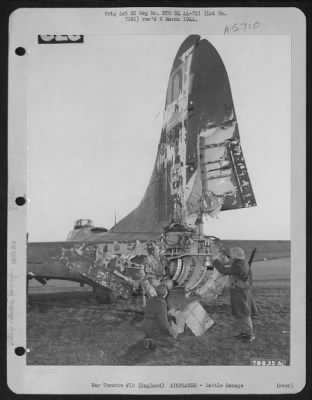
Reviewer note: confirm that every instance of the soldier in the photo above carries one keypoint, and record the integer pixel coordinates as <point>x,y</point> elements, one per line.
<point>156,326</point>
<point>241,297</point>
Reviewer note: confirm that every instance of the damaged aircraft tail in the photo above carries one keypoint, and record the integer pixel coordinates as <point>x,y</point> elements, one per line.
<point>199,170</point>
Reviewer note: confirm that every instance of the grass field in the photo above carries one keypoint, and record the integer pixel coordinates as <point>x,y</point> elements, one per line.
<point>69,328</point>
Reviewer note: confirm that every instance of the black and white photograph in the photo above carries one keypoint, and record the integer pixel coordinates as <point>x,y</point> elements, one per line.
<point>153,225</point>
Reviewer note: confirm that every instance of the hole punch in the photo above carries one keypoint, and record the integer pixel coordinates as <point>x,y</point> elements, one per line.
<point>20,201</point>
<point>20,351</point>
<point>20,51</point>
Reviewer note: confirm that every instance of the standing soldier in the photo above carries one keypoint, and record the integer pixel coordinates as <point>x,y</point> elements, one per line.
<point>241,297</point>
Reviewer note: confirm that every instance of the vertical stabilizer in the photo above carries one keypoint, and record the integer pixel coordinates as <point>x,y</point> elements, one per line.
<point>199,168</point>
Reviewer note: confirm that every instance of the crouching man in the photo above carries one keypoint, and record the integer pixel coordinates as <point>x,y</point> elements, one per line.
<point>241,297</point>
<point>156,325</point>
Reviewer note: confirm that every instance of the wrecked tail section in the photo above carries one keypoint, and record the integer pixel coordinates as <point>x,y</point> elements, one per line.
<point>199,168</point>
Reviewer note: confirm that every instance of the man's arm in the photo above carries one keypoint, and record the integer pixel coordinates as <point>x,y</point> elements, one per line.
<point>225,270</point>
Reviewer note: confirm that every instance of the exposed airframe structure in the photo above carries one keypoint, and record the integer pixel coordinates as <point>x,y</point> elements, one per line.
<point>199,170</point>
<point>199,165</point>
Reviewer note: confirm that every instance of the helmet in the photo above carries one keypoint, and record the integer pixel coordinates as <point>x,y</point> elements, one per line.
<point>161,290</point>
<point>237,253</point>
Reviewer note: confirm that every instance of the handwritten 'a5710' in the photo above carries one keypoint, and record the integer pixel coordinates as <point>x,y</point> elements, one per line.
<point>241,27</point>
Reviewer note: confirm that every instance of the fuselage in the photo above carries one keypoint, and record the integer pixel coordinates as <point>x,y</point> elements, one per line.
<point>199,170</point>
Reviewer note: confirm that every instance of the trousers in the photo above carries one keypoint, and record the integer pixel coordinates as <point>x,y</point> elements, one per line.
<point>245,325</point>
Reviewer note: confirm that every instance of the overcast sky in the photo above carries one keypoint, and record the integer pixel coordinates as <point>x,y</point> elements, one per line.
<point>94,119</point>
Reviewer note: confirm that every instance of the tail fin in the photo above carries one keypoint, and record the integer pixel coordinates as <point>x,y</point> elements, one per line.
<point>199,165</point>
